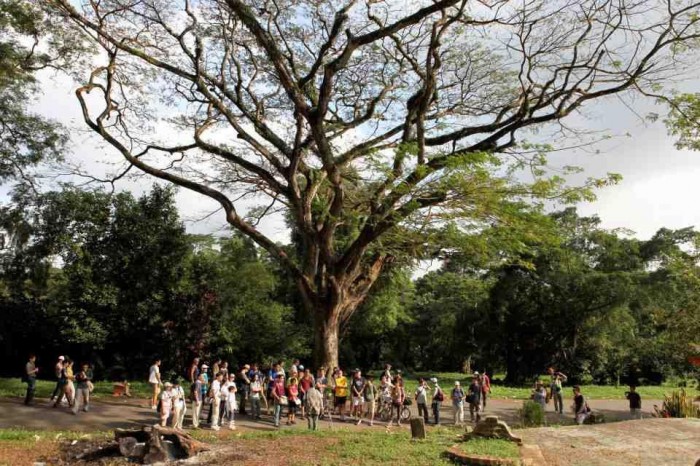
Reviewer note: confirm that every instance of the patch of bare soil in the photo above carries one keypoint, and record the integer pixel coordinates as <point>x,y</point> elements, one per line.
<point>669,442</point>
<point>284,451</point>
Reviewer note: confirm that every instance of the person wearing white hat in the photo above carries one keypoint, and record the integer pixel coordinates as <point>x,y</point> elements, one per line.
<point>166,403</point>
<point>458,404</point>
<point>58,369</point>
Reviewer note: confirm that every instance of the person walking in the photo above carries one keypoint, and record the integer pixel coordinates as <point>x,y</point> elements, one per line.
<point>557,379</point>
<point>58,368</point>
<point>155,382</point>
<point>438,398</point>
<point>474,398</point>
<point>370,396</point>
<point>255,395</point>
<point>29,377</point>
<point>313,401</point>
<point>421,396</point>
<point>279,397</point>
<point>458,403</point>
<point>196,397</point>
<point>82,396</point>
<point>68,386</point>
<point>485,389</point>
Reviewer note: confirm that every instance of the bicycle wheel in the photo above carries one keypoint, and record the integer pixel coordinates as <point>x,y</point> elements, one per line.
<point>405,413</point>
<point>385,413</point>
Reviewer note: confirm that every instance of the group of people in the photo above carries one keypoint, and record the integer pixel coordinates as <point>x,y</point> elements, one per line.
<point>73,386</point>
<point>224,393</point>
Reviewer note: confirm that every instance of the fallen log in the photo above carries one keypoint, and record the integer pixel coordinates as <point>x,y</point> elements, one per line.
<point>153,444</point>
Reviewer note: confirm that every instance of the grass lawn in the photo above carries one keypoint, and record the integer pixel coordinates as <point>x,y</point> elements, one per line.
<point>341,447</point>
<point>491,447</point>
<point>14,387</point>
<point>44,388</point>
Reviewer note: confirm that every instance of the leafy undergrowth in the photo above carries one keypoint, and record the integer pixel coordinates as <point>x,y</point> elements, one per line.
<point>491,447</point>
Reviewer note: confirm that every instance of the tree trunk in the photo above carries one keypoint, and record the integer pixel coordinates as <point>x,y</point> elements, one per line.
<point>326,331</point>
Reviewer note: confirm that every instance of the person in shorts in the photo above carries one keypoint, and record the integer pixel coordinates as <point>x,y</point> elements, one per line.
<point>155,382</point>
<point>358,391</point>
<point>341,393</point>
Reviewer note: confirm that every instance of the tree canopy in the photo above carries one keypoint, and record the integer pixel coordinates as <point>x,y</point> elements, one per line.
<point>375,128</point>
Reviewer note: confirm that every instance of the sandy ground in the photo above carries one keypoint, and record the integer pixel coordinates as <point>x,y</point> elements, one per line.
<point>649,442</point>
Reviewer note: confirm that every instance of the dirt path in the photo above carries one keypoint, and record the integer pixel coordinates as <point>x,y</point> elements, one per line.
<point>110,414</point>
<point>649,442</point>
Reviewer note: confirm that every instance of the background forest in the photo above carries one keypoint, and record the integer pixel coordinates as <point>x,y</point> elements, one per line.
<point>116,280</point>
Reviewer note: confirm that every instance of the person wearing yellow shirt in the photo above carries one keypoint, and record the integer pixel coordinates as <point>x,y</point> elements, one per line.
<point>341,393</point>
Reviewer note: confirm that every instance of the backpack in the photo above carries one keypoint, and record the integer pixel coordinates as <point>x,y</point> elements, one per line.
<point>439,396</point>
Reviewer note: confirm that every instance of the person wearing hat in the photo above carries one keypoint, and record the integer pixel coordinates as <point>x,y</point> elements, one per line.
<point>458,403</point>
<point>166,403</point>
<point>58,369</point>
<point>438,398</point>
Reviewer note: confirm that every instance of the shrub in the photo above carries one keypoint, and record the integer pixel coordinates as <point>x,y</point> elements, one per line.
<point>531,414</point>
<point>678,404</point>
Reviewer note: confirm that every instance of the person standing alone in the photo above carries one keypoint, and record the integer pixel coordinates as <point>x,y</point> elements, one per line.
<point>154,380</point>
<point>29,377</point>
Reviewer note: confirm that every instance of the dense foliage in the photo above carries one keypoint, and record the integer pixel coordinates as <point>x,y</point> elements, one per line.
<point>116,279</point>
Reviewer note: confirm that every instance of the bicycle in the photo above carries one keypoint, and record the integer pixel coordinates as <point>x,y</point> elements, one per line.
<point>386,410</point>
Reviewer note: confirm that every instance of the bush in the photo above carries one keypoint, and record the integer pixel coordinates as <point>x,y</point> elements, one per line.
<point>531,414</point>
<point>679,404</point>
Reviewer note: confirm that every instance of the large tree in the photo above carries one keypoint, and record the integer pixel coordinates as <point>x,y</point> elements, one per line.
<point>371,125</point>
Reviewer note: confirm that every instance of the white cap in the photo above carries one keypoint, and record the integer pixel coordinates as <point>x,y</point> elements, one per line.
<point>476,372</point>
<point>433,380</point>
<point>61,358</point>
<point>456,382</point>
